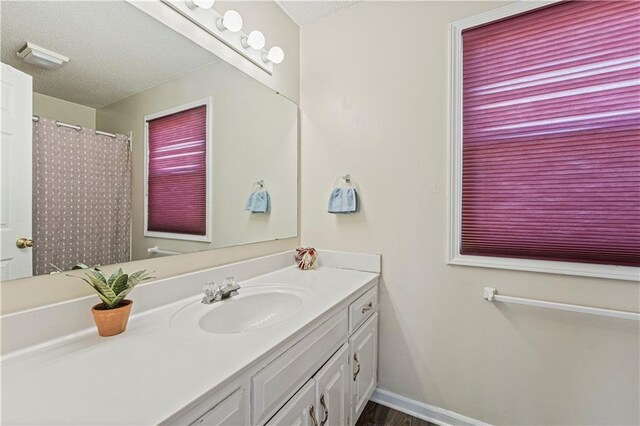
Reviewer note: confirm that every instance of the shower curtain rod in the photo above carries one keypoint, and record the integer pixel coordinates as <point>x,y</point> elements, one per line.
<point>76,127</point>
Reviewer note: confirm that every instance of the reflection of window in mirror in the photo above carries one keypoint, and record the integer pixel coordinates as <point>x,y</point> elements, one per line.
<point>177,146</point>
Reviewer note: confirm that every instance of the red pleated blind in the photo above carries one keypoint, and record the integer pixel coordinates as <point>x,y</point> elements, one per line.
<point>551,135</point>
<point>177,180</point>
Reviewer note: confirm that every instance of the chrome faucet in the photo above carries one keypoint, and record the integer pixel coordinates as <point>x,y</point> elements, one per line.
<point>214,293</point>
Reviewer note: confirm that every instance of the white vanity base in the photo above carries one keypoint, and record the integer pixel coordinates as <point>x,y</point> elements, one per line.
<point>326,378</point>
<point>317,366</point>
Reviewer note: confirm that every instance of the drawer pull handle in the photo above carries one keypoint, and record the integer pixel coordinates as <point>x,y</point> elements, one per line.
<point>312,412</point>
<point>326,411</point>
<point>355,375</point>
<point>368,307</point>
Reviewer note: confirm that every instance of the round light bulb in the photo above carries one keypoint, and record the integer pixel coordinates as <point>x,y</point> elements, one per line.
<point>232,21</point>
<point>275,55</point>
<point>256,40</point>
<point>202,4</point>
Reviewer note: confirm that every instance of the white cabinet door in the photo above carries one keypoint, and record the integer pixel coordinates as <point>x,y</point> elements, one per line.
<point>229,412</point>
<point>364,365</point>
<point>332,390</point>
<point>278,381</point>
<point>15,172</point>
<point>300,410</point>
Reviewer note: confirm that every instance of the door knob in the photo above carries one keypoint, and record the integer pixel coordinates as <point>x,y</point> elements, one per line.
<point>23,243</point>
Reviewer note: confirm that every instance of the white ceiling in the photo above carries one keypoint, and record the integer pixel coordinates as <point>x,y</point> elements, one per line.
<point>115,50</point>
<point>304,11</point>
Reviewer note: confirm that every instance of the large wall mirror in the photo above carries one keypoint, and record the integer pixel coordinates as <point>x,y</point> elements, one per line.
<point>143,143</point>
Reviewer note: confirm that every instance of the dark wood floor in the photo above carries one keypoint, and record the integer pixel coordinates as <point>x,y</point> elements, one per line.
<point>377,415</point>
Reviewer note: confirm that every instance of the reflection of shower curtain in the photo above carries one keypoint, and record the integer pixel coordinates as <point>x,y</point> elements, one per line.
<point>81,197</point>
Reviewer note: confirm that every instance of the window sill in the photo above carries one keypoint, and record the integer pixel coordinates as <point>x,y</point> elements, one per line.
<point>627,273</point>
<point>173,236</point>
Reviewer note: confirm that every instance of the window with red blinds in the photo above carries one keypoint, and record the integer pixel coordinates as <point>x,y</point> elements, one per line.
<point>551,135</point>
<point>177,173</point>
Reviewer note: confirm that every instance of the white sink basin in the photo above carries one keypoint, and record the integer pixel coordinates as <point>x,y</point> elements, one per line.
<point>253,309</point>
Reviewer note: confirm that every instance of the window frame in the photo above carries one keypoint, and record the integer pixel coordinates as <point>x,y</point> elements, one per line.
<point>209,135</point>
<point>629,273</point>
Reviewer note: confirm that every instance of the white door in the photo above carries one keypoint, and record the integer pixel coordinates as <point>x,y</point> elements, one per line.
<point>332,390</point>
<point>300,410</point>
<point>364,365</point>
<point>15,173</point>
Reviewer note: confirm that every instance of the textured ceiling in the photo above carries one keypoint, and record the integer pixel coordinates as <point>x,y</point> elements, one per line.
<point>115,50</point>
<point>304,11</point>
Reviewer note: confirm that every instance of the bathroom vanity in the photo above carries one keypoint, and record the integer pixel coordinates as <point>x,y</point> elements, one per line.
<point>324,377</point>
<point>294,347</point>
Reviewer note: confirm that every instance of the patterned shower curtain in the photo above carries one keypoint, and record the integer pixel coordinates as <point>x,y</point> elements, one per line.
<point>81,197</point>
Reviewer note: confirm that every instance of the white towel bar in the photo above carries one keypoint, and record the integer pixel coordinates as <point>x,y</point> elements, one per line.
<point>157,250</point>
<point>491,295</point>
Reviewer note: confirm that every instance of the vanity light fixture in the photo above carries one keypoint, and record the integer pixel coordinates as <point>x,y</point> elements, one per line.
<point>227,28</point>
<point>231,21</point>
<point>202,4</point>
<point>36,55</point>
<point>275,55</point>
<point>255,40</point>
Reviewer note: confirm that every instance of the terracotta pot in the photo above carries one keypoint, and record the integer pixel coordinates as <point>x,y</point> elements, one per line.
<point>112,321</point>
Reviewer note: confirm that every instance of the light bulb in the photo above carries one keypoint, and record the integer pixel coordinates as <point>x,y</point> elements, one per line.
<point>275,55</point>
<point>202,4</point>
<point>231,21</point>
<point>255,40</point>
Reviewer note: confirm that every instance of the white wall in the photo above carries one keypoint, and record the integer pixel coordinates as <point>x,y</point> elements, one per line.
<point>374,104</point>
<point>65,111</point>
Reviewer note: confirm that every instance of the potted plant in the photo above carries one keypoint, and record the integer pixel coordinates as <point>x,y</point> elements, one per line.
<point>111,316</point>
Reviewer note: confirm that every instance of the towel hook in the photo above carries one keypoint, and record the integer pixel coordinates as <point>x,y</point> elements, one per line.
<point>346,178</point>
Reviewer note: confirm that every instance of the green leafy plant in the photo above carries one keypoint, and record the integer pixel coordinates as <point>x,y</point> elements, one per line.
<point>114,289</point>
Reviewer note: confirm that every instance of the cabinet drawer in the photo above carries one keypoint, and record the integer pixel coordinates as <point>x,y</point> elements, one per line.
<point>227,406</point>
<point>279,380</point>
<point>363,308</point>
<point>228,412</point>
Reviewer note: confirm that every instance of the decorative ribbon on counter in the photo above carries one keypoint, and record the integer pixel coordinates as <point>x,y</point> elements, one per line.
<point>306,258</point>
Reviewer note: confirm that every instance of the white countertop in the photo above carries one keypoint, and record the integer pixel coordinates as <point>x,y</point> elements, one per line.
<point>153,370</point>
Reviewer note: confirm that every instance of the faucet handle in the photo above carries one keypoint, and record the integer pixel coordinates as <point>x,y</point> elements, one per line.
<point>230,284</point>
<point>211,289</point>
<point>211,293</point>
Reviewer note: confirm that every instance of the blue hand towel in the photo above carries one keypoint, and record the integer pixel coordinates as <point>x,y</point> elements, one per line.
<point>258,202</point>
<point>343,201</point>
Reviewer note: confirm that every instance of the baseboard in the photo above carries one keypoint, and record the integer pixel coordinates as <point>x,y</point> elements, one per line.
<point>423,411</point>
